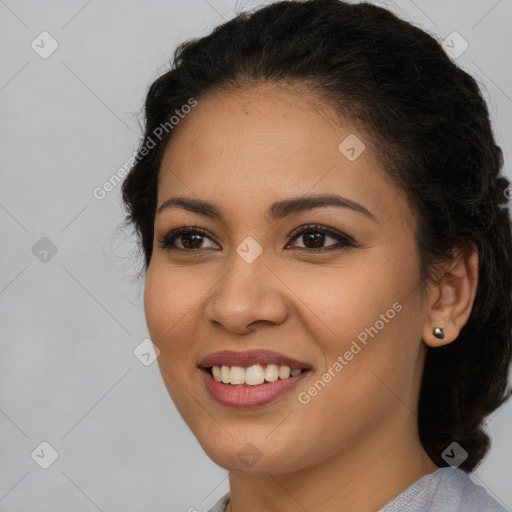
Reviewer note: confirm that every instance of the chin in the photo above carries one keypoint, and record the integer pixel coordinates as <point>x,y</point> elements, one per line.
<point>245,456</point>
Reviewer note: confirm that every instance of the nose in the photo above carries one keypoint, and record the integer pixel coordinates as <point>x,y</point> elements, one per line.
<point>248,295</point>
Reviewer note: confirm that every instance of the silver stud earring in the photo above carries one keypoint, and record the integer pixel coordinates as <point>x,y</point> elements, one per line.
<point>439,333</point>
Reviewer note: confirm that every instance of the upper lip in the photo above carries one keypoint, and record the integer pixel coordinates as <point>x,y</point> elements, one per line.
<point>250,357</point>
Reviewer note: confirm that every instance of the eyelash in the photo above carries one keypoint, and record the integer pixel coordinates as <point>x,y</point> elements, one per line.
<point>167,241</point>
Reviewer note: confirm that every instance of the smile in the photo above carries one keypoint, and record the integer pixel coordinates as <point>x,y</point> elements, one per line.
<point>250,378</point>
<point>253,375</point>
<point>246,395</point>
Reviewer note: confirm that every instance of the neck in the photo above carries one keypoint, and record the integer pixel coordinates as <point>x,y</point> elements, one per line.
<point>363,478</point>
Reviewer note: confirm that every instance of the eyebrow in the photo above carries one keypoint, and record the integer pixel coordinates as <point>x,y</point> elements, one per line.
<point>276,211</point>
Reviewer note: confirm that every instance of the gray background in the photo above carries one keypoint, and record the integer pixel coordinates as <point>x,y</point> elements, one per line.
<point>70,324</point>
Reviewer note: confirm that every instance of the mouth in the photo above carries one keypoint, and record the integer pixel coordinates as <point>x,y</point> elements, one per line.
<point>252,378</point>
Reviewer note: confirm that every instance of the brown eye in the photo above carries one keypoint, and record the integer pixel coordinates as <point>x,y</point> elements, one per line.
<point>314,238</point>
<point>191,239</point>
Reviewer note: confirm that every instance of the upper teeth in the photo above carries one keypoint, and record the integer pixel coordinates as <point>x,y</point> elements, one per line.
<point>253,375</point>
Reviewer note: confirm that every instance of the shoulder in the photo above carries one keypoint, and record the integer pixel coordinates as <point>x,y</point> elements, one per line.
<point>221,505</point>
<point>445,490</point>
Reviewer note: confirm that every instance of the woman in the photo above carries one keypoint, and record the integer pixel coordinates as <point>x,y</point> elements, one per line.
<point>328,261</point>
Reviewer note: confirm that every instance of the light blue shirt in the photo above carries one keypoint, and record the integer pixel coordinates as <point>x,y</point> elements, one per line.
<point>445,490</point>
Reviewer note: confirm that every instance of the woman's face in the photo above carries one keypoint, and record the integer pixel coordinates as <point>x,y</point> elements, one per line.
<point>350,310</point>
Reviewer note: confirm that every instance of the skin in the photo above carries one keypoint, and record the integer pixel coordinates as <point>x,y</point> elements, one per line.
<point>355,445</point>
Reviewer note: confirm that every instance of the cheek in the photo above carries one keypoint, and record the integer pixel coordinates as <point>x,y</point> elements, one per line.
<point>169,299</point>
<point>169,304</point>
<point>344,300</point>
<point>367,314</point>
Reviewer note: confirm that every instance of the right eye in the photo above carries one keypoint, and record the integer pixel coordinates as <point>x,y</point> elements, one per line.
<point>191,239</point>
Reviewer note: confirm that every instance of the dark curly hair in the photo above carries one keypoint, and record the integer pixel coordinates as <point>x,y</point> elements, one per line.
<point>430,126</point>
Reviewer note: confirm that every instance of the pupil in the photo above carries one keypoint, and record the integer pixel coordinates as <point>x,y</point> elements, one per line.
<point>186,238</point>
<point>316,238</point>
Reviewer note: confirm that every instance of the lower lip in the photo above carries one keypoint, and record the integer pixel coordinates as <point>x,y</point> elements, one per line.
<point>249,396</point>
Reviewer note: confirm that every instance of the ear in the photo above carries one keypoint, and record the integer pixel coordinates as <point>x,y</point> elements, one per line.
<point>451,298</point>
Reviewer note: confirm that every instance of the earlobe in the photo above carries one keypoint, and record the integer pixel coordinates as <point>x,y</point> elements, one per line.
<point>451,298</point>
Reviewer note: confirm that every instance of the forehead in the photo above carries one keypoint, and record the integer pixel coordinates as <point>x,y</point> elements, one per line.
<point>265,121</point>
<point>267,143</point>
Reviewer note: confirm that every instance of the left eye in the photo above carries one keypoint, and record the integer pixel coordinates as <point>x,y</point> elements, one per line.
<point>316,235</point>
<point>313,238</point>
